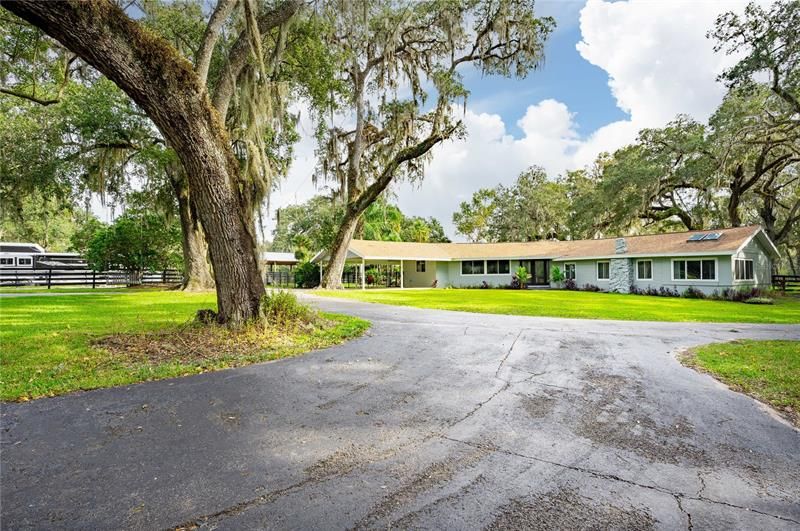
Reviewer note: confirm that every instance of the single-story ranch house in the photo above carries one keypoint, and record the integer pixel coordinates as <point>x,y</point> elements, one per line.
<point>706,260</point>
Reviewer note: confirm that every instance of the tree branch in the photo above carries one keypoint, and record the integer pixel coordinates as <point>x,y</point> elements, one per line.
<point>203,58</point>
<point>29,97</point>
<point>240,53</point>
<point>410,153</point>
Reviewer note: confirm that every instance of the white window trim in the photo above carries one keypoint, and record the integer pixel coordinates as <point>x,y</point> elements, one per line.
<point>597,270</point>
<point>743,279</point>
<point>693,259</point>
<point>461,270</point>
<point>574,270</point>
<point>424,266</point>
<point>498,260</point>
<point>651,269</point>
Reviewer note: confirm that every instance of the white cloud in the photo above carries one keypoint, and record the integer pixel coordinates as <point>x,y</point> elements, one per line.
<point>659,63</point>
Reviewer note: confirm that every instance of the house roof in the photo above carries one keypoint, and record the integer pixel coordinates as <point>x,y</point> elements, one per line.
<point>671,244</point>
<point>279,258</point>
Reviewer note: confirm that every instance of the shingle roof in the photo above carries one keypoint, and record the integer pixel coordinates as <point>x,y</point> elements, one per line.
<point>652,244</point>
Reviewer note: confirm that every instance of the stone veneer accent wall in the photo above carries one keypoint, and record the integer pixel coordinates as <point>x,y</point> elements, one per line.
<point>621,275</point>
<point>620,270</point>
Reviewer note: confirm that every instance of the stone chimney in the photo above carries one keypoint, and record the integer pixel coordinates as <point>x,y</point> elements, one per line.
<point>620,247</point>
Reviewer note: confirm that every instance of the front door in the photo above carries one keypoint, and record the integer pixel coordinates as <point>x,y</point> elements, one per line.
<point>539,271</point>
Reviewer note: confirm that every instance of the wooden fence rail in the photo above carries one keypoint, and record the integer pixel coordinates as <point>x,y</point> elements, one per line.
<point>786,283</point>
<point>86,277</point>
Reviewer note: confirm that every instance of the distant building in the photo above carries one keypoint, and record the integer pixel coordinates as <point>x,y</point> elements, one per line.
<point>706,260</point>
<point>16,255</point>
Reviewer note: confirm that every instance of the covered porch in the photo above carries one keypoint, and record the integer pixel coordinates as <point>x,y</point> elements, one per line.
<point>366,272</point>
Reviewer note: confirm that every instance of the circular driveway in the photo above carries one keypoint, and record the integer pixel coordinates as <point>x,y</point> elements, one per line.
<point>432,420</point>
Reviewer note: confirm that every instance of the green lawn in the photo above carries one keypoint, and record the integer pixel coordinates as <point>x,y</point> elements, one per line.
<point>767,370</point>
<point>46,342</point>
<point>580,304</point>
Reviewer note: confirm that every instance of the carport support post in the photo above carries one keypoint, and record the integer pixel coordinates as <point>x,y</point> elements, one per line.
<point>363,280</point>
<point>401,274</point>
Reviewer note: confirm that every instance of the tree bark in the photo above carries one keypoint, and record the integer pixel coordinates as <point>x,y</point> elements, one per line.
<point>165,86</point>
<point>195,249</point>
<point>332,278</point>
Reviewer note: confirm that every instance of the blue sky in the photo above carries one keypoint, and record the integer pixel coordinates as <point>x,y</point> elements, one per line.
<point>565,76</point>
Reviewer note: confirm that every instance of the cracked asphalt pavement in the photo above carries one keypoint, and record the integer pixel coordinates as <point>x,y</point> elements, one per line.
<point>432,420</point>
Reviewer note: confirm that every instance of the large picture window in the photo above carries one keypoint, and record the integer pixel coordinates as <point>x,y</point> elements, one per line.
<point>472,267</point>
<point>569,271</point>
<point>497,267</point>
<point>694,270</point>
<point>603,271</point>
<point>644,270</point>
<point>743,269</point>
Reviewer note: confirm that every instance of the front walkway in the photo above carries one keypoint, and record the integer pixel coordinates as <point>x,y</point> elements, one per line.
<point>434,420</point>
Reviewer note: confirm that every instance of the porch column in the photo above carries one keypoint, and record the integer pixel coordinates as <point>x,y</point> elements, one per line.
<point>320,273</point>
<point>363,280</point>
<point>401,274</point>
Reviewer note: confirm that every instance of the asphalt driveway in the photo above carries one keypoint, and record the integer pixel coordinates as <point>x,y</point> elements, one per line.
<point>432,420</point>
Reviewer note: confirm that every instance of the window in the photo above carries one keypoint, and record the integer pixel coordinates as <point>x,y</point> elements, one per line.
<point>6,261</point>
<point>497,267</point>
<point>420,266</point>
<point>569,271</point>
<point>743,269</point>
<point>694,270</point>
<point>472,267</point>
<point>24,261</point>
<point>603,271</point>
<point>644,270</point>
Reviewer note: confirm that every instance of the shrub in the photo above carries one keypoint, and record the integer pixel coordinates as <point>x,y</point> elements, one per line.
<point>693,293</point>
<point>556,275</point>
<point>591,287</point>
<point>570,284</point>
<point>759,300</point>
<point>522,276</point>
<point>741,294</point>
<point>282,307</point>
<point>664,291</point>
<point>306,275</point>
<point>206,316</point>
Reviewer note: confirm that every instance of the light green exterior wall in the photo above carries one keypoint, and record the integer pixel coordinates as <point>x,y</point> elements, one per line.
<point>412,279</point>
<point>449,273</point>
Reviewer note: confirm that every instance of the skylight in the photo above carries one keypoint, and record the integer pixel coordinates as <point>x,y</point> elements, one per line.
<point>704,237</point>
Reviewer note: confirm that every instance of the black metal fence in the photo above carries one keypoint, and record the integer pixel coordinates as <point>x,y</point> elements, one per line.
<point>378,276</point>
<point>86,277</point>
<point>786,283</point>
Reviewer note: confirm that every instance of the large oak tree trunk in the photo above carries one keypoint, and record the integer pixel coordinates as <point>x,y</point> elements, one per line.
<point>332,277</point>
<point>164,85</point>
<point>195,249</point>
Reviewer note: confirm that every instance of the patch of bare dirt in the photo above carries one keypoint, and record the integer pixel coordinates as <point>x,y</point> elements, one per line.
<point>615,413</point>
<point>345,459</point>
<point>537,406</point>
<point>197,343</point>
<point>432,476</point>
<point>565,509</point>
